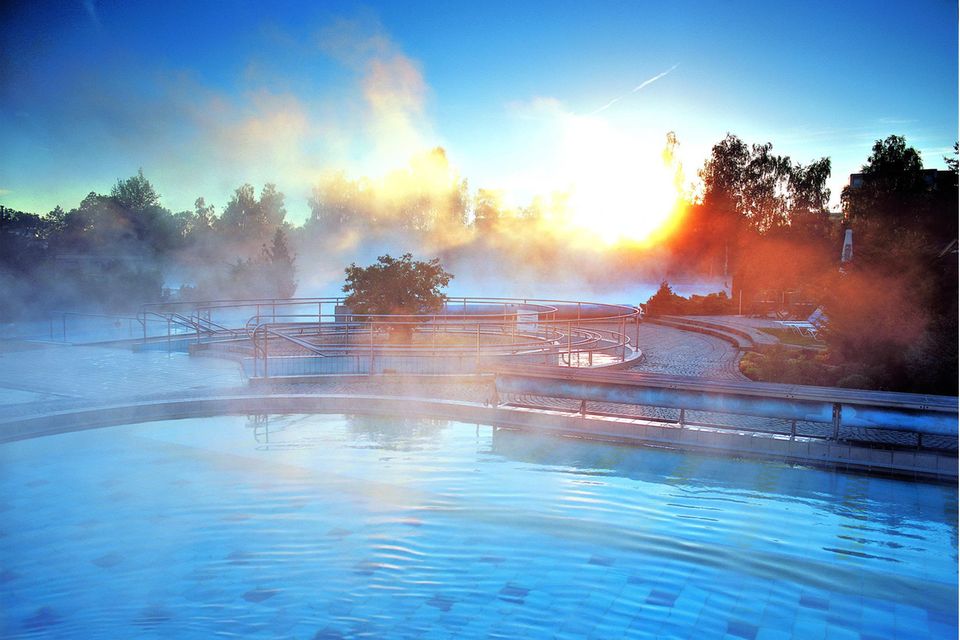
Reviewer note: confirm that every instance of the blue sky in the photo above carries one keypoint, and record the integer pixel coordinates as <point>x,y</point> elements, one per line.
<point>207,95</point>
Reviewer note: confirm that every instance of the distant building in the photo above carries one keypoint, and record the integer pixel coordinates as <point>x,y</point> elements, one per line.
<point>934,178</point>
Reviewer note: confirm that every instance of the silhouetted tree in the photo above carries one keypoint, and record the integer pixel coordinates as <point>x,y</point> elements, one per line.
<point>399,286</point>
<point>953,163</point>
<point>249,219</point>
<point>664,302</point>
<point>135,193</point>
<point>895,310</point>
<point>279,266</point>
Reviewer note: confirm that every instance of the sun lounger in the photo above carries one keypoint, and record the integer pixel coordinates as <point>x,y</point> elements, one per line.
<point>809,328</point>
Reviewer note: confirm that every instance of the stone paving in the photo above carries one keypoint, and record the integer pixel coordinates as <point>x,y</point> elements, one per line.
<point>681,353</point>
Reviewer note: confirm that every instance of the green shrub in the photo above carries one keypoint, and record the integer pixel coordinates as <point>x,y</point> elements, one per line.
<point>665,302</point>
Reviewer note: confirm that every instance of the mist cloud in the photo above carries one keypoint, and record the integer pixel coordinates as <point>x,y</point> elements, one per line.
<point>195,138</point>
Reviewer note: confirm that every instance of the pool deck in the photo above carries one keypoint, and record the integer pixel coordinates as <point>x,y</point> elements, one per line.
<point>42,383</point>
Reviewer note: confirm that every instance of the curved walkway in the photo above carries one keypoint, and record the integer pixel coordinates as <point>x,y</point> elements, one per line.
<point>682,353</point>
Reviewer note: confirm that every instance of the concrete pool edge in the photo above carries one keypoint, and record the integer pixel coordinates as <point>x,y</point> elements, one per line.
<point>928,465</point>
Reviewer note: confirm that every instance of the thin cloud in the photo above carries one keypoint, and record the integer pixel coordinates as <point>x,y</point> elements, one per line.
<point>640,86</point>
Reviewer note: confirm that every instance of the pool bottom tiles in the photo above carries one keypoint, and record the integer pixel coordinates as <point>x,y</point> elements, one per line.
<point>349,526</point>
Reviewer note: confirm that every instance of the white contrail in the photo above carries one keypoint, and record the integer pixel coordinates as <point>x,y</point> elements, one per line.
<point>635,89</point>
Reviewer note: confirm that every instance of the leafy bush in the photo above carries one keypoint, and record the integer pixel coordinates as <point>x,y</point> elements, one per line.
<point>788,366</point>
<point>665,302</point>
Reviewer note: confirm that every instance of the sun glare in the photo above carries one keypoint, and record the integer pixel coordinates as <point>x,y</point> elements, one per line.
<point>620,192</point>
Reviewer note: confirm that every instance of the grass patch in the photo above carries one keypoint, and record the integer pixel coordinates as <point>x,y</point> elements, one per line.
<point>789,336</point>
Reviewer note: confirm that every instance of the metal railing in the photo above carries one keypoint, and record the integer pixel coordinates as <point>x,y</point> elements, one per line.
<point>837,411</point>
<point>91,327</point>
<point>303,336</point>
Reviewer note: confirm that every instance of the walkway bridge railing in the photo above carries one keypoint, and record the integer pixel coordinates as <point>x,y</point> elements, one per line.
<point>317,336</point>
<point>840,412</point>
<point>467,335</point>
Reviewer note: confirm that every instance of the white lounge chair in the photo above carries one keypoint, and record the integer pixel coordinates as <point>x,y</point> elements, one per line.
<point>809,328</point>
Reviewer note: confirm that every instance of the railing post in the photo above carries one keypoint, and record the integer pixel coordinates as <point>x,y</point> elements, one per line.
<point>478,347</point>
<point>836,420</point>
<point>266,353</point>
<point>371,347</point>
<point>793,430</point>
<point>636,345</point>
<point>569,345</point>
<point>623,339</point>
<point>683,418</point>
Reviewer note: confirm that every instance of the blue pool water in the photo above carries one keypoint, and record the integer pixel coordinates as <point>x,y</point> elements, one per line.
<point>323,527</point>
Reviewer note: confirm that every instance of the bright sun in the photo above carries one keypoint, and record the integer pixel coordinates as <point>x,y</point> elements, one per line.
<point>619,193</point>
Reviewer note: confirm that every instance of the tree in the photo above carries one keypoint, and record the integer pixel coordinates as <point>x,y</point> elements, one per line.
<point>337,203</point>
<point>272,211</point>
<point>757,209</point>
<point>135,193</point>
<point>395,286</point>
<point>892,189</point>
<point>750,187</point>
<point>205,215</point>
<point>279,263</point>
<point>242,212</point>
<point>953,163</point>
<point>894,312</point>
<point>664,302</point>
<point>249,220</point>
<point>487,210</point>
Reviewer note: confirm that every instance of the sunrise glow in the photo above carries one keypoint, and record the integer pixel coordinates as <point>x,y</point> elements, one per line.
<point>621,190</point>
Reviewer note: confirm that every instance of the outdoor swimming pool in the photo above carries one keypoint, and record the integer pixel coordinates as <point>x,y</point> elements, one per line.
<point>325,526</point>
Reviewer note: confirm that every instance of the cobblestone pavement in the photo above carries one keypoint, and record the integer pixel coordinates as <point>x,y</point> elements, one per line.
<point>682,353</point>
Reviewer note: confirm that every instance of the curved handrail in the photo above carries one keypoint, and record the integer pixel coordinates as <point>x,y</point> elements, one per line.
<point>567,332</point>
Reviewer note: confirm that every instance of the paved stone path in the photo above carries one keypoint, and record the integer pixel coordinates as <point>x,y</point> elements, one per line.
<point>682,353</point>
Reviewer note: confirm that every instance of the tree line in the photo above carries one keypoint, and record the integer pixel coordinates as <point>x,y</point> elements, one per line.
<point>111,252</point>
<point>760,219</point>
<point>891,312</point>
